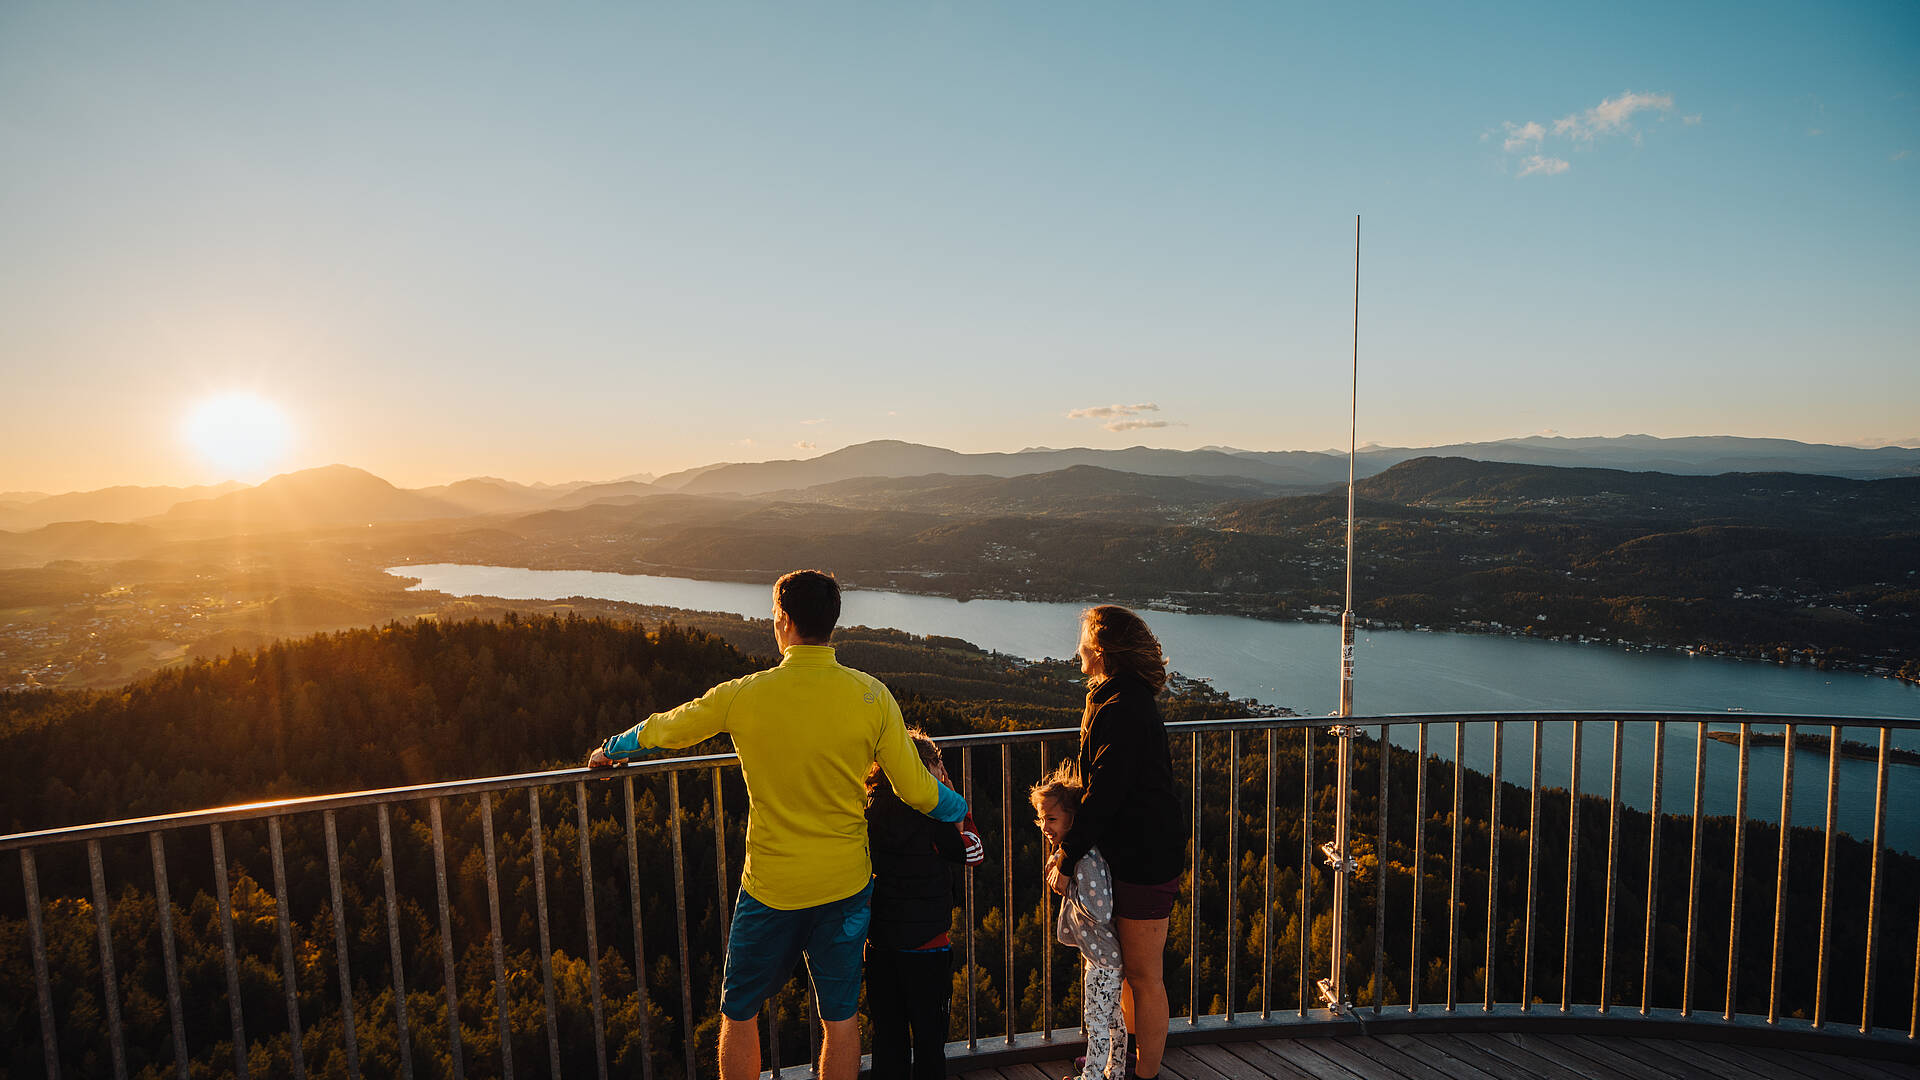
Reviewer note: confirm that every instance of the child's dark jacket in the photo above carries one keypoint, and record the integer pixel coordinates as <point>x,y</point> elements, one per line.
<point>912,885</point>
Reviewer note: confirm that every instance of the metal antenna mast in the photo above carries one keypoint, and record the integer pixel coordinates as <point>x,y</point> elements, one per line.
<point>1333,989</point>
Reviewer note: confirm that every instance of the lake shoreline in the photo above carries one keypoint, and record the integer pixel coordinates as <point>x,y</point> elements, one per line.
<point>1218,604</point>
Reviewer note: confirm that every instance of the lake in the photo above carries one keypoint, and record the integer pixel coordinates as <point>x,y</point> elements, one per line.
<point>1395,672</point>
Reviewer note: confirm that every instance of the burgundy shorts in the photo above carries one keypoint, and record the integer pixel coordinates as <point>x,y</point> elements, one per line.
<point>1131,901</point>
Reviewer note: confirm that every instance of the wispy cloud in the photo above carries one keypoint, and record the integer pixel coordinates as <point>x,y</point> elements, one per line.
<point>1612,117</point>
<point>816,420</point>
<point>1135,425</point>
<point>1523,136</point>
<point>1901,155</point>
<point>805,445</point>
<point>1103,412</point>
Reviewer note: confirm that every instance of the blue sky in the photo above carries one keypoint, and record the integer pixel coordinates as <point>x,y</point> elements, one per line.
<point>584,241</point>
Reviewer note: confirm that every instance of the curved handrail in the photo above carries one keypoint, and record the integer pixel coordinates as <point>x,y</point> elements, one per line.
<point>1392,923</point>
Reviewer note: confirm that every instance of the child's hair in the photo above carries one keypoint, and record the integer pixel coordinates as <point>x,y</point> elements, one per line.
<point>923,742</point>
<point>1062,785</point>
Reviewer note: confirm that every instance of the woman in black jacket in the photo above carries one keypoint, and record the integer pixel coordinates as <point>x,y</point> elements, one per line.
<point>1130,810</point>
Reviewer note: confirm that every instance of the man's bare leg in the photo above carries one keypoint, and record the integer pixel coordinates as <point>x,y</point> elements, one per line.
<point>740,1048</point>
<point>839,1050</point>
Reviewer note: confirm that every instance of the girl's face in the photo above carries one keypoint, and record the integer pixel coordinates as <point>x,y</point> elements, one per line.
<point>1091,662</point>
<point>1055,820</point>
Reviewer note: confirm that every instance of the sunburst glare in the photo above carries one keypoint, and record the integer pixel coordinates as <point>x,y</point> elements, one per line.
<point>242,434</point>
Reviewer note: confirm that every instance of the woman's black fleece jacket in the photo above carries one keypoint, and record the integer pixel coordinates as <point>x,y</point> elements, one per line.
<point>1128,807</point>
<point>912,884</point>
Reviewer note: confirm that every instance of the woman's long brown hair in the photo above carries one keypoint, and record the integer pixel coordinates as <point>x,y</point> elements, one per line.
<point>1125,644</point>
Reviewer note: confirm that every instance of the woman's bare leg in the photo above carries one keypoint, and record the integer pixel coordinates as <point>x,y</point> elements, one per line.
<point>1143,945</point>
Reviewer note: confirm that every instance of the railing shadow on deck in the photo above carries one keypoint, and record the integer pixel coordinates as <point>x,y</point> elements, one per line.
<point>1487,899</point>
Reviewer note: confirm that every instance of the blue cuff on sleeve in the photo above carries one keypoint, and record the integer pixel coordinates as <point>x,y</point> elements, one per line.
<point>624,745</point>
<point>951,807</point>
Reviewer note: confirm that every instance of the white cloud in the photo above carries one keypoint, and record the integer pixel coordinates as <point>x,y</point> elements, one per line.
<point>1815,132</point>
<point>810,423</point>
<point>805,445</point>
<point>1523,136</point>
<point>1135,425</point>
<point>1692,120</point>
<point>1901,156</point>
<point>1545,166</point>
<point>1612,116</point>
<point>1103,412</point>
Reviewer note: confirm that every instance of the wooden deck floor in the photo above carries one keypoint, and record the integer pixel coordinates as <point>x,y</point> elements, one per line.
<point>1485,1057</point>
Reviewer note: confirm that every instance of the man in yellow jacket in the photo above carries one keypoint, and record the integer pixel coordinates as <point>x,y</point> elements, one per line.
<point>806,732</point>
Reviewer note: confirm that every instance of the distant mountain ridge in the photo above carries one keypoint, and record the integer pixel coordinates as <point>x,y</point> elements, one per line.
<point>1276,471</point>
<point>123,503</point>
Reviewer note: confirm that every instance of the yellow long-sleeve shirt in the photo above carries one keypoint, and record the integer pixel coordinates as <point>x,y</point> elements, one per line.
<point>806,732</point>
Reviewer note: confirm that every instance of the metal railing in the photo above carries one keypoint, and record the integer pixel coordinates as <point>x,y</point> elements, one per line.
<point>1649,958</point>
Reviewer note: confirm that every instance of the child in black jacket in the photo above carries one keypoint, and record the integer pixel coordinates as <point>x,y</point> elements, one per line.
<point>909,955</point>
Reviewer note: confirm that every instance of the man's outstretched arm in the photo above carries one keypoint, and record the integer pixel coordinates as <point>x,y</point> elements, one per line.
<point>697,720</point>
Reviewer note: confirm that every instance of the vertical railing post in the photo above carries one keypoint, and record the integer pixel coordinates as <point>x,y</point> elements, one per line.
<point>1493,867</point>
<point>1653,870</point>
<point>331,829</point>
<point>1193,889</point>
<point>103,926</point>
<point>1826,879</point>
<point>1533,872</point>
<point>1267,995</point>
<point>37,943</point>
<point>1739,870</point>
<point>283,901</point>
<point>1693,868</point>
<point>1874,898</point>
<point>1419,867</point>
<point>1380,882</point>
<point>1339,855</point>
<point>394,954</point>
<point>163,908</point>
<point>973,997</point>
<point>1781,864</point>
<point>1232,875</point>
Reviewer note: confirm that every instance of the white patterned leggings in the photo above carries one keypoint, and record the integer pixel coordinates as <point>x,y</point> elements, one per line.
<point>1106,1026</point>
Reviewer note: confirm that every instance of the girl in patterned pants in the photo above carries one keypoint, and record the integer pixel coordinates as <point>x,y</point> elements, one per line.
<point>1086,923</point>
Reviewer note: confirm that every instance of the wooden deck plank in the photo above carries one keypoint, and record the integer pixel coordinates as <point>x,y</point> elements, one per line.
<point>1522,1052</point>
<point>1600,1059</point>
<point>1462,1053</point>
<point>1736,1061</point>
<point>1354,1062</point>
<point>1270,1056</point>
<point>1181,1063</point>
<point>1222,1061</point>
<point>1859,1068</point>
<point>1392,1061</point>
<point>1674,1060</point>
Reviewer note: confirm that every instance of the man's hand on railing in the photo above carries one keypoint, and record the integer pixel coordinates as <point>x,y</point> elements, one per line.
<point>599,759</point>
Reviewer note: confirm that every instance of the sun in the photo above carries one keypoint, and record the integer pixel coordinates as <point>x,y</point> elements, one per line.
<point>242,434</point>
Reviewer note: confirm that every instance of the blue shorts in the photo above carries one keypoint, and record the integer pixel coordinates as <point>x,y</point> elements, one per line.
<point>764,944</point>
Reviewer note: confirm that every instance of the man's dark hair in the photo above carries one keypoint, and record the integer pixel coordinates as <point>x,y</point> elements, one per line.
<point>811,599</point>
